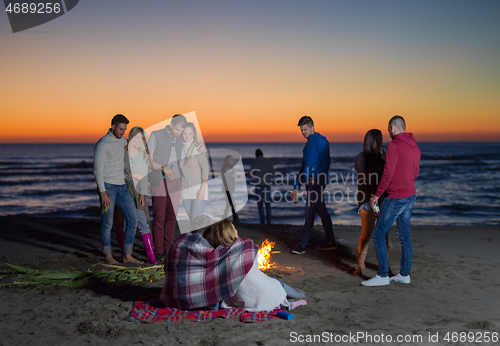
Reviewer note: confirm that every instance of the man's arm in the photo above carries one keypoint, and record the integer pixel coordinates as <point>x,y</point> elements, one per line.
<point>99,158</point>
<point>324,156</point>
<point>201,148</point>
<point>311,161</point>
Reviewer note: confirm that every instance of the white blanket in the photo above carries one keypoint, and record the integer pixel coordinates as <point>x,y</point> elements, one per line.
<point>257,292</point>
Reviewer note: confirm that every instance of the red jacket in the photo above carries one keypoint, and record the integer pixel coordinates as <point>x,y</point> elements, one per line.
<point>401,167</point>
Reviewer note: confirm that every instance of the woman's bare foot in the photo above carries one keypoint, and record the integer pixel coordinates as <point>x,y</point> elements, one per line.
<point>127,258</point>
<point>110,259</point>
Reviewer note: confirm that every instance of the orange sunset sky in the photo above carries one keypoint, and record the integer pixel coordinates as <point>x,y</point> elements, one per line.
<point>251,69</point>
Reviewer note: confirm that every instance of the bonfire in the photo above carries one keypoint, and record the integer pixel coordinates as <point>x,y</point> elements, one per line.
<point>264,255</point>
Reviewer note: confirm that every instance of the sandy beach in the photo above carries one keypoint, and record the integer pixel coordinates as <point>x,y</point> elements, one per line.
<point>455,288</point>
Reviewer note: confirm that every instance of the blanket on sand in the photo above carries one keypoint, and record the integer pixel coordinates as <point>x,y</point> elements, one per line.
<point>156,312</point>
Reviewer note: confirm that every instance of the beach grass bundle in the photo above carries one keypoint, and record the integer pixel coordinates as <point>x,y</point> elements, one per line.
<point>114,275</point>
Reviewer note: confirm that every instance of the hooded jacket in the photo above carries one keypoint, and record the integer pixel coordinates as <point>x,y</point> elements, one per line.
<point>402,165</point>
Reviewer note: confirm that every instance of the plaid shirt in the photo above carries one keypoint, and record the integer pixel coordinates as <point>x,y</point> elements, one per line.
<point>198,275</point>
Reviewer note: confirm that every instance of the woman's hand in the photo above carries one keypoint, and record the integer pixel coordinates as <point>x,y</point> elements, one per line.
<point>200,195</point>
<point>142,201</point>
<point>138,176</point>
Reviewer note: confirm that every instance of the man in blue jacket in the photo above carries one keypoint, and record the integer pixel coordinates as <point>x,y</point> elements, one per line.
<point>314,174</point>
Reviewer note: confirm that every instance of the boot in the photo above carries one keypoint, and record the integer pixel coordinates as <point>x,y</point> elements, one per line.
<point>148,246</point>
<point>361,265</point>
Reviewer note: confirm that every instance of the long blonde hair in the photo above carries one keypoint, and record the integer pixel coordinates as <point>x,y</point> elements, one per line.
<point>195,142</point>
<point>133,132</point>
<point>223,233</point>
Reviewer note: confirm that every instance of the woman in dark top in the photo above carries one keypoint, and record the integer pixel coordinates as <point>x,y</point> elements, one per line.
<point>370,166</point>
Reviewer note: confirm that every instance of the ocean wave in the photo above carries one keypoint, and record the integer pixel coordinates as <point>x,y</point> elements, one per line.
<point>31,182</point>
<point>68,192</point>
<point>459,183</point>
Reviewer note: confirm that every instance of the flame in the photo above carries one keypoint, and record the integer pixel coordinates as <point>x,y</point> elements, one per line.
<point>264,255</point>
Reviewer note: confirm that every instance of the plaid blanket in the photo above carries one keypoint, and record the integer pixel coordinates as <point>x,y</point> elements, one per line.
<point>198,275</point>
<point>155,312</point>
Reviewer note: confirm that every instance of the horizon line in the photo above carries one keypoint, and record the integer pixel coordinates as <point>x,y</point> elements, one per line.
<point>261,142</point>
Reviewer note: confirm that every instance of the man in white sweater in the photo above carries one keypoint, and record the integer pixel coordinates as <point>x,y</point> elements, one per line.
<point>110,178</point>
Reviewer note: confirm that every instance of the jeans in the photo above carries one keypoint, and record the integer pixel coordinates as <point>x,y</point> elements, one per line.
<point>119,195</point>
<point>264,200</point>
<point>399,210</point>
<point>194,208</point>
<point>315,203</point>
<point>142,222</point>
<point>166,200</point>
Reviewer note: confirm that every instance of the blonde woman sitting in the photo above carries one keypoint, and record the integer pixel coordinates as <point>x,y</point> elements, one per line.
<point>257,291</point>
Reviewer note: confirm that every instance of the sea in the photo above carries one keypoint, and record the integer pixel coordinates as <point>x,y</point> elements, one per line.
<point>459,183</point>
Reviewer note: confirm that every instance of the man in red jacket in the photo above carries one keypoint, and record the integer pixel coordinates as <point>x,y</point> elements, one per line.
<point>401,168</point>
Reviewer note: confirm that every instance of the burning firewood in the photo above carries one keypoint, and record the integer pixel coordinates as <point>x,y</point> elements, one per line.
<point>264,255</point>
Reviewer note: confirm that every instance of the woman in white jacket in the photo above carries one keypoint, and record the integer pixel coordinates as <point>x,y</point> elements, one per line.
<point>257,291</point>
<point>195,169</point>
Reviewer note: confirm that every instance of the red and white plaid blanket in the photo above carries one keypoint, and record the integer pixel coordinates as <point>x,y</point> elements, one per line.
<point>155,312</point>
<point>198,275</point>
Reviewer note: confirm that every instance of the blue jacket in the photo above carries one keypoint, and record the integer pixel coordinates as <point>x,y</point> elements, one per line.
<point>315,161</point>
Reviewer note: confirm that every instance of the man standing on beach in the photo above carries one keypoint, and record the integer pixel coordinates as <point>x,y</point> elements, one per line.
<point>314,174</point>
<point>165,146</point>
<point>401,168</point>
<point>262,170</point>
<point>110,178</point>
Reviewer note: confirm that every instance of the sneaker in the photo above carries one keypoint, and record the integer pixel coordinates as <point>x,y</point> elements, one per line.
<point>401,278</point>
<point>376,281</point>
<point>327,246</point>
<point>299,249</point>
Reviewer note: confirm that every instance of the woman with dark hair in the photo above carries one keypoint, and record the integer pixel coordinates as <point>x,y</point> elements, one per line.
<point>370,166</point>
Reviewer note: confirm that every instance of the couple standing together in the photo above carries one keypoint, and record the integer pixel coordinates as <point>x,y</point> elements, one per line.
<point>177,169</point>
<point>386,178</point>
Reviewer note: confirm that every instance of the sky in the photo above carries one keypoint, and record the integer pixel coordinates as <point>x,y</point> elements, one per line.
<point>251,69</point>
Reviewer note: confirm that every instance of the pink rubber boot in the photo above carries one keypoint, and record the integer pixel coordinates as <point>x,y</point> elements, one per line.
<point>148,246</point>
